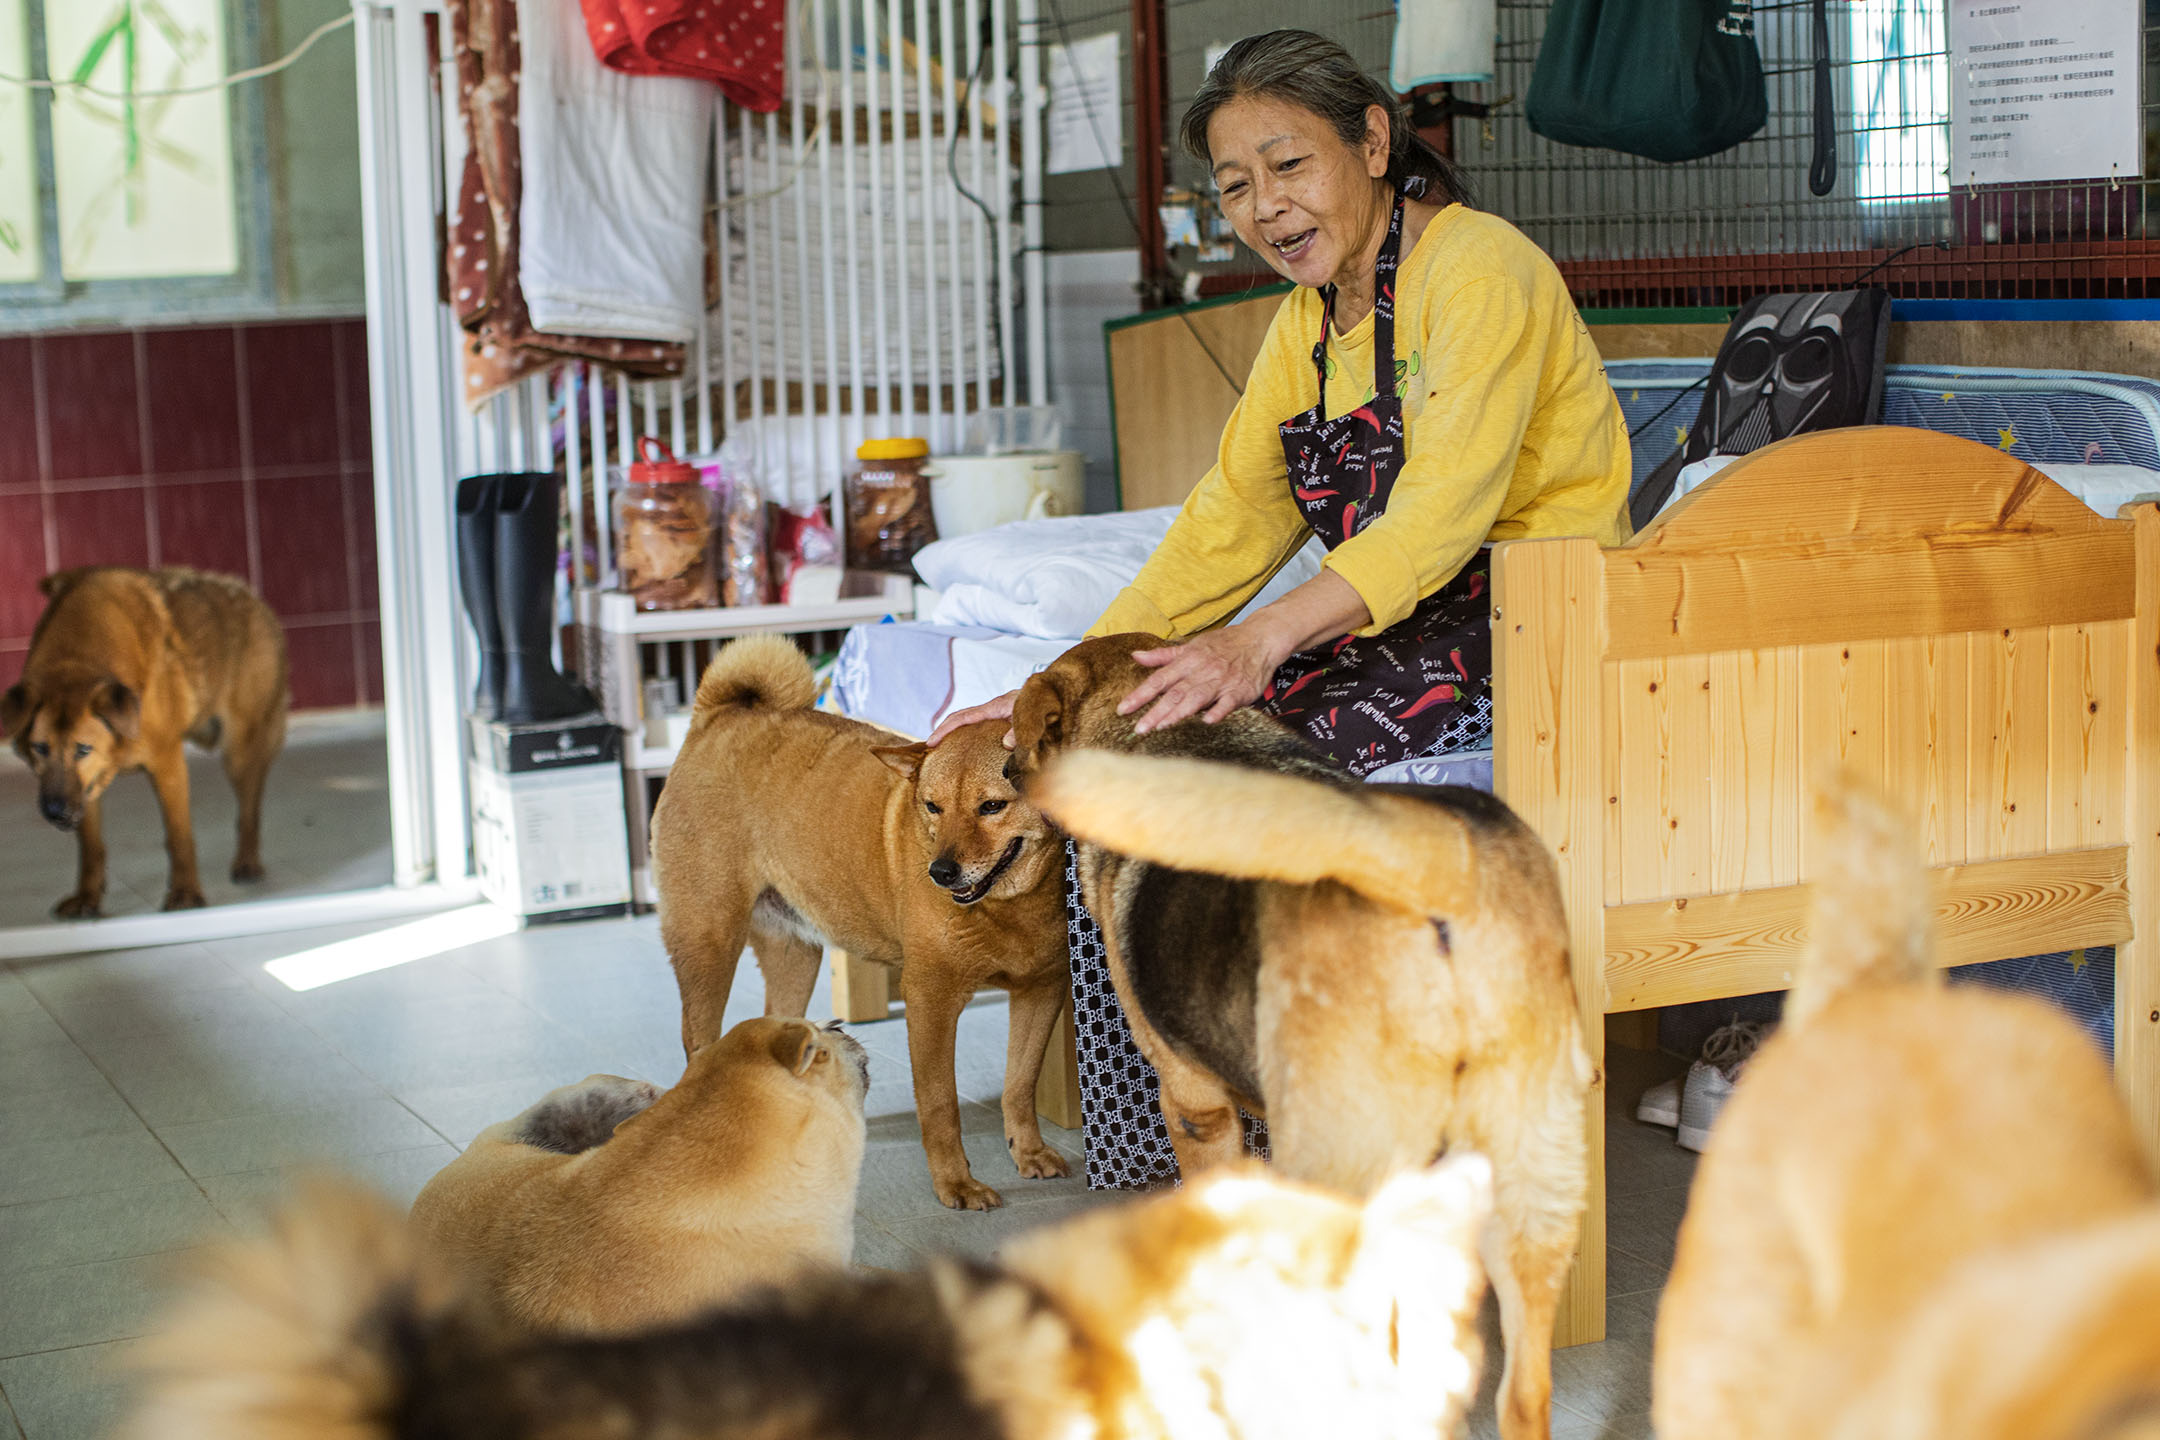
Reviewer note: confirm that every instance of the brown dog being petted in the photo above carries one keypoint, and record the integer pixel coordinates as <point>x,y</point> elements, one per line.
<point>793,829</point>
<point>1924,1214</point>
<point>610,1207</point>
<point>124,666</point>
<point>1381,970</point>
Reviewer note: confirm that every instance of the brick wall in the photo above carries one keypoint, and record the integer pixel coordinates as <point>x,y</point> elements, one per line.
<point>240,448</point>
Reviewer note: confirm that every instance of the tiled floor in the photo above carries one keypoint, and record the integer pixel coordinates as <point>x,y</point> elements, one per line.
<point>151,1098</point>
<point>326,826</point>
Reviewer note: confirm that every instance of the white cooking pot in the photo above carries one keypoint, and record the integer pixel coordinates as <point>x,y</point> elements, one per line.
<point>976,492</point>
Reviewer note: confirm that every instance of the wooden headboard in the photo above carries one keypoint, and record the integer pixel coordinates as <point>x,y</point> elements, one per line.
<point>1930,614</point>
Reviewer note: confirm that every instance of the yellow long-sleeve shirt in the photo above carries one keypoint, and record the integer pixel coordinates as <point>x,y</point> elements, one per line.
<point>1512,432</point>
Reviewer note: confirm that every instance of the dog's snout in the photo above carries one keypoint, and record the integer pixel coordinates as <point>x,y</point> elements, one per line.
<point>56,809</point>
<point>944,870</point>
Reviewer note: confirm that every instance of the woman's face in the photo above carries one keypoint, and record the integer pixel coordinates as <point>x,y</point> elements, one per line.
<point>1294,191</point>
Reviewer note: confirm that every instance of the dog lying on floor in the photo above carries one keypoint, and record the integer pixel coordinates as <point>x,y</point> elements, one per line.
<point>1240,1308</point>
<point>124,666</point>
<point>1381,970</point>
<point>793,829</point>
<point>610,1207</point>
<point>1923,1213</point>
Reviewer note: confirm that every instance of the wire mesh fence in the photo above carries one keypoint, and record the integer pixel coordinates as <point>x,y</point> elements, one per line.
<point>1711,232</point>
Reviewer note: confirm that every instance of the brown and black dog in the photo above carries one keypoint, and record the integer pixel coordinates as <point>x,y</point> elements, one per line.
<point>611,1207</point>
<point>1238,1308</point>
<point>125,665</point>
<point>1925,1212</point>
<point>792,829</point>
<point>1382,970</point>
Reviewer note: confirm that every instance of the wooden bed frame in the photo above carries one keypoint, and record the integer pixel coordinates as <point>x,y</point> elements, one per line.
<point>1930,614</point>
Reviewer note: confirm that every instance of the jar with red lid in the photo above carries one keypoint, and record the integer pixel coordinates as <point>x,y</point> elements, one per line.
<point>664,532</point>
<point>888,505</point>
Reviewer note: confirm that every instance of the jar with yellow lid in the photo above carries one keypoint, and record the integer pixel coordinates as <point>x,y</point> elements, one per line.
<point>888,504</point>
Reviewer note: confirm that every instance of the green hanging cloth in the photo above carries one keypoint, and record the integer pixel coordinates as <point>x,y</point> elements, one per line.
<point>1665,79</point>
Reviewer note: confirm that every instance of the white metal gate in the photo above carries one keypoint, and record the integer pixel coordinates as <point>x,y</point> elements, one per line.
<point>860,292</point>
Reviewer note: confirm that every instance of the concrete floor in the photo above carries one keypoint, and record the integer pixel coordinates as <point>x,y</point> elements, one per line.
<point>326,826</point>
<point>151,1098</point>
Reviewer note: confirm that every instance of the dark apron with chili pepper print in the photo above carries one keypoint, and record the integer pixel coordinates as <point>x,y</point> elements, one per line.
<point>1423,685</point>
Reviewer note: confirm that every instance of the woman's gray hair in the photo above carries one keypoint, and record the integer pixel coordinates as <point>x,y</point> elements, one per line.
<point>1314,73</point>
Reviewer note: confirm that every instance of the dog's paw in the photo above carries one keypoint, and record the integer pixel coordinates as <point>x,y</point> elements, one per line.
<point>1038,1162</point>
<point>178,899</point>
<point>79,906</point>
<point>246,872</point>
<point>966,1193</point>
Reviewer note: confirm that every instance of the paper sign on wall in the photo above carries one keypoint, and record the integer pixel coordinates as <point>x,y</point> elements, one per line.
<point>1086,117</point>
<point>2043,90</point>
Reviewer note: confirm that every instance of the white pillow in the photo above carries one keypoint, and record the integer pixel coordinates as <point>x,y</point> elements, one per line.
<point>1054,578</point>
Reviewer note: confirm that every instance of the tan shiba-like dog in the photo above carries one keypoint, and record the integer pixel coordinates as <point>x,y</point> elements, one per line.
<point>793,829</point>
<point>124,667</point>
<point>1381,970</point>
<point>1238,1308</point>
<point>1923,1214</point>
<point>610,1207</point>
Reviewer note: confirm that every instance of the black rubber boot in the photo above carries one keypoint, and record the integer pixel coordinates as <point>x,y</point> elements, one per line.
<point>525,553</point>
<point>476,579</point>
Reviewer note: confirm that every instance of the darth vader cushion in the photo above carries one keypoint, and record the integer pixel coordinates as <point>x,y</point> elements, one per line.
<point>1789,364</point>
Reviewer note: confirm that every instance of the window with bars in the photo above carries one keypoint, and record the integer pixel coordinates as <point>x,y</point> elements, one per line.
<point>1900,100</point>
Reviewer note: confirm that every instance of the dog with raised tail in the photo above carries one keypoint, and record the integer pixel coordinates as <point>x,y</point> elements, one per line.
<point>793,829</point>
<point>1240,1308</point>
<point>1380,970</point>
<point>1924,1212</point>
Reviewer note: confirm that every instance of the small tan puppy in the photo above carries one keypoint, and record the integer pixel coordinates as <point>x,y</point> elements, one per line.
<point>792,829</point>
<point>1381,970</point>
<point>610,1207</point>
<point>1924,1212</point>
<point>1241,1307</point>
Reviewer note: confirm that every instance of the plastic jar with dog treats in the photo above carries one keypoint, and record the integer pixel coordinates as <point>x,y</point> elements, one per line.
<point>664,532</point>
<point>888,505</point>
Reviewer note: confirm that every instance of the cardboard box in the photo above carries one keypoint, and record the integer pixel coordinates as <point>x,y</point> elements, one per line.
<point>549,837</point>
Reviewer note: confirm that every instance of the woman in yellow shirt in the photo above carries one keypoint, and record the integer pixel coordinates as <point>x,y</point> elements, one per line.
<point>1427,389</point>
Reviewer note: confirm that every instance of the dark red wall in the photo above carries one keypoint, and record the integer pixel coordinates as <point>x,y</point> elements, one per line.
<point>235,448</point>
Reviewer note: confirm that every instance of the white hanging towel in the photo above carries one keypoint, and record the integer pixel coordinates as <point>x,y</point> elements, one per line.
<point>1437,40</point>
<point>611,239</point>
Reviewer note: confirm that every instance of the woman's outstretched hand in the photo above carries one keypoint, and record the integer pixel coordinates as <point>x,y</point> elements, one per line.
<point>999,708</point>
<point>1209,675</point>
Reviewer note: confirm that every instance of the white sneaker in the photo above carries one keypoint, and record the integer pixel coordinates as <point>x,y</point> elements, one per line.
<point>1706,1092</point>
<point>1660,1104</point>
<point>1710,1079</point>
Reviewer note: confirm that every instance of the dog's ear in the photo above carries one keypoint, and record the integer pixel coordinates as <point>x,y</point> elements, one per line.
<point>904,760</point>
<point>14,710</point>
<point>1038,724</point>
<point>119,707</point>
<point>796,1048</point>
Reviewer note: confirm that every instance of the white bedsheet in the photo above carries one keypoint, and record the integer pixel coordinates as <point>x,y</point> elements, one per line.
<point>1053,578</point>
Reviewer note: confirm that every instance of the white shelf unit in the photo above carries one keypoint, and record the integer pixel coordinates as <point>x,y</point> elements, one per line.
<point>622,647</point>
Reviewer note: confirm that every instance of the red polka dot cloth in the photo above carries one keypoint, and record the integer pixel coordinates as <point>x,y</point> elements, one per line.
<point>739,45</point>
